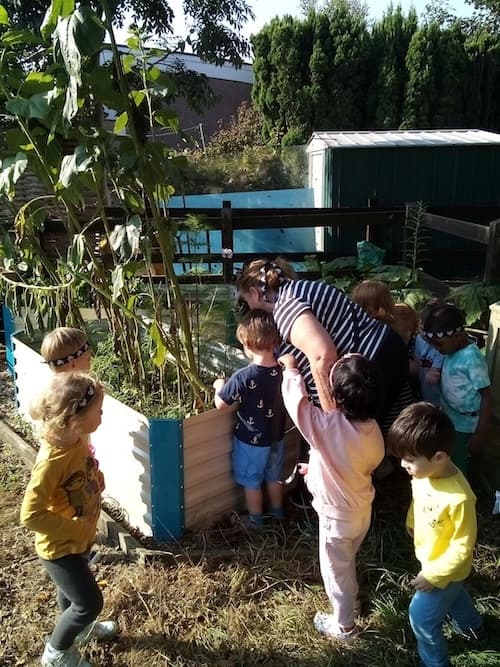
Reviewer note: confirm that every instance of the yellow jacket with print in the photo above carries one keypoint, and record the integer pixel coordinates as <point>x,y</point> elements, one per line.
<point>63,500</point>
<point>442,516</point>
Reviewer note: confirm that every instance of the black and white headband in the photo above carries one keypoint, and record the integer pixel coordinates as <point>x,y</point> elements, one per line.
<point>443,333</point>
<point>270,266</point>
<point>56,363</point>
<point>86,398</point>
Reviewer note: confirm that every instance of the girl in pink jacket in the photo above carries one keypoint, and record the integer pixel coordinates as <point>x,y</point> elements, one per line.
<point>346,446</point>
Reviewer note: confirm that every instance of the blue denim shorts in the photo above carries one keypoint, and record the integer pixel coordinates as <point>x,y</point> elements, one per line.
<point>254,465</point>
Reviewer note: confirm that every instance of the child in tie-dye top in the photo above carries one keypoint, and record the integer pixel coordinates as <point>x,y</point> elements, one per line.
<point>258,447</point>
<point>465,384</point>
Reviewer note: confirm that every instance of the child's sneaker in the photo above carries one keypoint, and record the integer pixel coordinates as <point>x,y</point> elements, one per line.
<point>101,631</point>
<point>70,657</point>
<point>325,624</point>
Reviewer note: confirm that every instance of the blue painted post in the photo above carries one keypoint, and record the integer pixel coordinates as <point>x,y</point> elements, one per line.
<point>9,330</point>
<point>166,457</point>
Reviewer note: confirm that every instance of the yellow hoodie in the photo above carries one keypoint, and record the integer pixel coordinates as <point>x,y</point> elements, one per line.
<point>63,499</point>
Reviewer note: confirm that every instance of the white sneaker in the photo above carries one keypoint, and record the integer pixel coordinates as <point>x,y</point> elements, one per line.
<point>325,624</point>
<point>70,657</point>
<point>98,630</point>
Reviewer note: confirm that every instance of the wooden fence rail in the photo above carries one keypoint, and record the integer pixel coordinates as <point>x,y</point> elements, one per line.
<point>372,223</point>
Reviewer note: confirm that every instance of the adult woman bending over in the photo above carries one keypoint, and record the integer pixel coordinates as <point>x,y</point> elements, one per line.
<point>318,324</point>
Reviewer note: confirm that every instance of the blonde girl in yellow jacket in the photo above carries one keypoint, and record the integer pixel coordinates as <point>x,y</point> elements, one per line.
<point>61,505</point>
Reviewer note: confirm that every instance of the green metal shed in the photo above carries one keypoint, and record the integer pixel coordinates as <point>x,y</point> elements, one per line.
<point>439,167</point>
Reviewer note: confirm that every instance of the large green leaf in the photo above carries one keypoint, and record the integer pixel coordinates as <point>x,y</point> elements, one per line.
<point>121,123</point>
<point>76,252</point>
<point>101,79</point>
<point>390,273</point>
<point>72,165</point>
<point>36,106</point>
<point>128,61</point>
<point>124,239</point>
<point>15,37</point>
<point>475,300</point>
<point>36,82</point>
<point>70,108</point>
<point>339,264</point>
<point>58,8</point>
<point>167,118</point>
<point>4,17</point>
<point>117,282</point>
<point>159,352</point>
<point>12,168</point>
<point>89,31</point>
<point>138,97</point>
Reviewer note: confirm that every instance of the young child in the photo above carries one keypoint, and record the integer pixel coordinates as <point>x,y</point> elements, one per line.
<point>465,384</point>
<point>428,362</point>
<point>346,446</point>
<point>405,322</point>
<point>66,349</point>
<point>442,522</point>
<point>258,445</point>
<point>375,298</point>
<point>62,505</point>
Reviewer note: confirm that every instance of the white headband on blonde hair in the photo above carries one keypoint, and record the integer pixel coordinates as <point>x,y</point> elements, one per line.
<point>57,363</point>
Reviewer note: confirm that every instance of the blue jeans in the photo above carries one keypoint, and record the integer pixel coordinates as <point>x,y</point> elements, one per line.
<point>427,614</point>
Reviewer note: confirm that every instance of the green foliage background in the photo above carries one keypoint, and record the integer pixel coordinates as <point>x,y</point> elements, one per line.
<point>333,69</point>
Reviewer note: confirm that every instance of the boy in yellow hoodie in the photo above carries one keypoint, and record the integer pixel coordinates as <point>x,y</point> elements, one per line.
<point>442,522</point>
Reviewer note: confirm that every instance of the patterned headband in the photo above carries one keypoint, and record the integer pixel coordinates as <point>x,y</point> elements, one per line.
<point>443,333</point>
<point>56,363</point>
<point>270,266</point>
<point>86,398</point>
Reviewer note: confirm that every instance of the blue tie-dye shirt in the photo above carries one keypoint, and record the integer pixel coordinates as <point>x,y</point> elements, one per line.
<point>464,373</point>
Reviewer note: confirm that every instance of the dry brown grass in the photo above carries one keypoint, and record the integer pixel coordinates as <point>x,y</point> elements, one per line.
<point>254,608</point>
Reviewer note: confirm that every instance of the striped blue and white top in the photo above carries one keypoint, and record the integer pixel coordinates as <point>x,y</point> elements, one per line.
<point>351,328</point>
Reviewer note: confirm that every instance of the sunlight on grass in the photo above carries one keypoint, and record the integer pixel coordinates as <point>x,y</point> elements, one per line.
<point>252,609</point>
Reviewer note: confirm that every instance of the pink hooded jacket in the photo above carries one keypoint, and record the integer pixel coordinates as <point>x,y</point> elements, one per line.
<point>343,453</point>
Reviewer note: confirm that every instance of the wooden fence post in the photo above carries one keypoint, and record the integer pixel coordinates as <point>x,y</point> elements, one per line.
<point>492,263</point>
<point>227,240</point>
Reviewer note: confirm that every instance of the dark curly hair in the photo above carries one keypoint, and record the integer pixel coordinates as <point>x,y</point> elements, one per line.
<point>357,387</point>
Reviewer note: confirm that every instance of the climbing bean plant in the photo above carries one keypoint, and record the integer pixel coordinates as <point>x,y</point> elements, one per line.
<point>54,89</point>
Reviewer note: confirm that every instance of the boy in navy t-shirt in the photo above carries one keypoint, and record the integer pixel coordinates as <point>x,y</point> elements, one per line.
<point>258,446</point>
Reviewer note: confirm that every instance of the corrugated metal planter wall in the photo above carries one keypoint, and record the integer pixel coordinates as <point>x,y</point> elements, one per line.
<point>166,475</point>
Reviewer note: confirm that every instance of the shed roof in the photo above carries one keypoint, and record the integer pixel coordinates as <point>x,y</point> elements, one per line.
<point>388,138</point>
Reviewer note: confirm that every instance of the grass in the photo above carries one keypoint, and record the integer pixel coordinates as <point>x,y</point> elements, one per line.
<point>254,608</point>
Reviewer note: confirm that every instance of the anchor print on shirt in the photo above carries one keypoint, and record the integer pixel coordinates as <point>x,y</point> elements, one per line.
<point>250,421</point>
<point>260,404</point>
<point>236,397</point>
<point>252,384</point>
<point>274,372</point>
<point>269,413</point>
<point>255,439</point>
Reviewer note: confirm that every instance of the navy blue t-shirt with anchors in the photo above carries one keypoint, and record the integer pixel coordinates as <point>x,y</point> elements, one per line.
<point>261,415</point>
